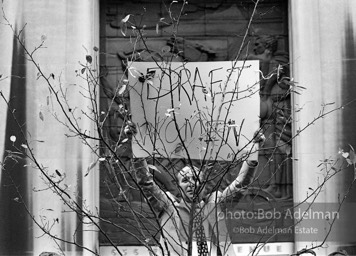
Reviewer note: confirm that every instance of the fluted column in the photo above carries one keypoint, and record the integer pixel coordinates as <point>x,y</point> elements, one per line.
<point>321,36</point>
<point>70,30</point>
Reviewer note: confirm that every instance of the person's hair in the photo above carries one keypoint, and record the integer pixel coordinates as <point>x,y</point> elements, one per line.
<point>196,170</point>
<point>270,42</point>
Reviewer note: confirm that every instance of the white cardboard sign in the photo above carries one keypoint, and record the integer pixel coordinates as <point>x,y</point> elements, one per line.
<point>209,110</point>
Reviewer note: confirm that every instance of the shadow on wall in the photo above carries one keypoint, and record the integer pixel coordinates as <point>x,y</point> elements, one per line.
<point>14,220</point>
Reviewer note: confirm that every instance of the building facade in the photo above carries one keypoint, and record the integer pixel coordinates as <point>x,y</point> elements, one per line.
<point>318,37</point>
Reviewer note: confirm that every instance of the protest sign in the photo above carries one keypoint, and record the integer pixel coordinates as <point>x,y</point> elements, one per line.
<point>207,110</point>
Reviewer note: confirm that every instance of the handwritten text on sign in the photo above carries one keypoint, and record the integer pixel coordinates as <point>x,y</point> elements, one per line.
<point>209,110</point>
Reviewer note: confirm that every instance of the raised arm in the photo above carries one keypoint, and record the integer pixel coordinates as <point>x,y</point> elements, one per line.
<point>158,199</point>
<point>244,179</point>
<point>247,171</point>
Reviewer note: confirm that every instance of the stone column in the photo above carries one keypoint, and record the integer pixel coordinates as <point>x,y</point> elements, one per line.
<point>69,30</point>
<point>323,61</point>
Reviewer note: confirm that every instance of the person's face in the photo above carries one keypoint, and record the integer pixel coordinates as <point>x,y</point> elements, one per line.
<point>188,182</point>
<point>259,47</point>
